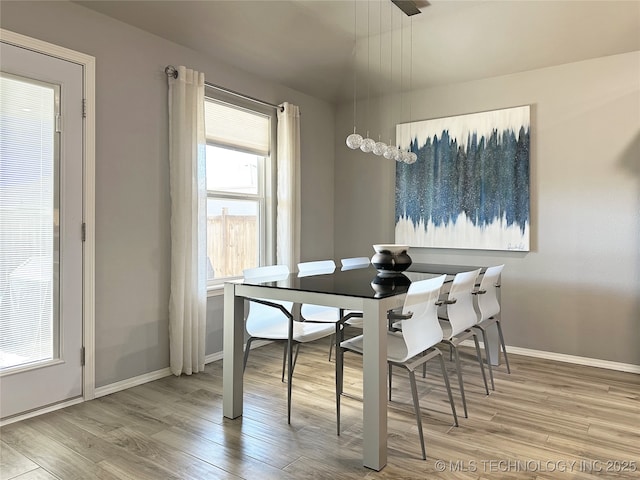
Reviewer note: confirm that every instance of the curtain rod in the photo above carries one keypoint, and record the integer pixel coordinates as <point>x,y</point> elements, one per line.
<point>171,71</point>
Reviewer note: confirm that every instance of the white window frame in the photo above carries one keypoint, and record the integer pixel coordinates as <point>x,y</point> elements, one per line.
<point>266,195</point>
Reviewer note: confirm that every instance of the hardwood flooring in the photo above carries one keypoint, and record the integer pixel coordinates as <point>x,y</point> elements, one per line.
<point>547,420</point>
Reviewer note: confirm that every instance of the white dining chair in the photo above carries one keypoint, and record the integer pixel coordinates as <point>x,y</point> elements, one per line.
<point>273,320</point>
<point>354,262</point>
<point>317,267</point>
<point>321,313</point>
<point>457,319</point>
<point>489,309</point>
<point>318,313</point>
<point>411,347</point>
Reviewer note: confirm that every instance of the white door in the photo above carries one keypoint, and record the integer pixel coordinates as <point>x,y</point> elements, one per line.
<point>41,215</point>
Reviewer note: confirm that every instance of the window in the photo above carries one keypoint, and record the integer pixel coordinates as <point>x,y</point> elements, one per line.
<point>28,217</point>
<point>239,184</point>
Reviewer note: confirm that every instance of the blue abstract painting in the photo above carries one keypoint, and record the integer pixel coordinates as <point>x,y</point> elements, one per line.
<point>469,187</point>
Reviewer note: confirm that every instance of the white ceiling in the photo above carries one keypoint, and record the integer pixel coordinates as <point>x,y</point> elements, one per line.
<point>308,44</point>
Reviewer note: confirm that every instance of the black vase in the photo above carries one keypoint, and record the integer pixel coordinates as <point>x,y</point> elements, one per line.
<point>390,259</point>
<point>385,285</point>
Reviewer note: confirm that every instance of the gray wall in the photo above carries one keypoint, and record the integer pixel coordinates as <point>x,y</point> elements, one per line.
<point>577,291</point>
<point>132,175</point>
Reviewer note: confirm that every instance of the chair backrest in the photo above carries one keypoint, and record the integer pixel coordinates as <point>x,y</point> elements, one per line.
<point>318,267</point>
<point>488,304</point>
<point>422,330</point>
<point>270,273</point>
<point>354,262</point>
<point>267,273</point>
<point>462,314</point>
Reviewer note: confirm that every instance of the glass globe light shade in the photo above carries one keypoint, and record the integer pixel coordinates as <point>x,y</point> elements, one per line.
<point>413,156</point>
<point>354,141</point>
<point>379,148</point>
<point>367,145</point>
<point>397,155</point>
<point>406,157</point>
<point>390,152</point>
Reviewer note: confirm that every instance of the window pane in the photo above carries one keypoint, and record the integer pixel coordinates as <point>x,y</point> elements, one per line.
<point>231,171</point>
<point>233,228</point>
<point>28,216</point>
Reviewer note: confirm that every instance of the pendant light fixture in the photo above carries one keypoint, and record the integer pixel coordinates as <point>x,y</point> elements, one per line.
<point>355,140</point>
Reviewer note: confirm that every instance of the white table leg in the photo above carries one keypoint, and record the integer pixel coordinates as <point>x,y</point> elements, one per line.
<point>233,340</point>
<point>374,386</point>
<point>494,344</point>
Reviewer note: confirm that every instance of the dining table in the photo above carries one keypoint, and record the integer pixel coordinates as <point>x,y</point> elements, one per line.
<point>359,289</point>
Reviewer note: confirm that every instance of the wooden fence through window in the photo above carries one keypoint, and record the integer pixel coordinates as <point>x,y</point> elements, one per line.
<point>232,243</point>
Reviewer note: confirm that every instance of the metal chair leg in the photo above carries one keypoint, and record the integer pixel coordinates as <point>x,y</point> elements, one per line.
<point>487,353</point>
<point>504,349</point>
<point>459,371</point>
<point>339,375</point>
<point>448,385</point>
<point>284,360</point>
<point>295,357</point>
<point>331,340</point>
<point>289,377</point>
<point>416,406</point>
<point>424,367</point>
<point>339,382</point>
<point>481,362</point>
<point>390,376</point>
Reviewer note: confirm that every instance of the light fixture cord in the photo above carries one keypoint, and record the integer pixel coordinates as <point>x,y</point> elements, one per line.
<point>400,89</point>
<point>380,60</point>
<point>391,67</point>
<point>401,73</point>
<point>410,80</point>
<point>355,62</point>
<point>368,64</point>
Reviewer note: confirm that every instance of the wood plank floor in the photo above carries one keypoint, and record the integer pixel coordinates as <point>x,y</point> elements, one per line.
<point>546,420</point>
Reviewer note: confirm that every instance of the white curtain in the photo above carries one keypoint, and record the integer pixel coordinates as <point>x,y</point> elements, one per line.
<point>188,300</point>
<point>288,192</point>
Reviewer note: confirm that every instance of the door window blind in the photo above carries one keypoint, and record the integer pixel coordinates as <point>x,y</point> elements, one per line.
<point>27,221</point>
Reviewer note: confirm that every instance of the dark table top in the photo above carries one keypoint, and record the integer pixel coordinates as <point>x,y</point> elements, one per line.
<point>441,268</point>
<point>361,282</point>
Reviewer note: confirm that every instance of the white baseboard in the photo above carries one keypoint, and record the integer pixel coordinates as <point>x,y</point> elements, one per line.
<point>214,357</point>
<point>165,372</point>
<point>132,382</point>
<point>562,357</point>
<point>589,362</point>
